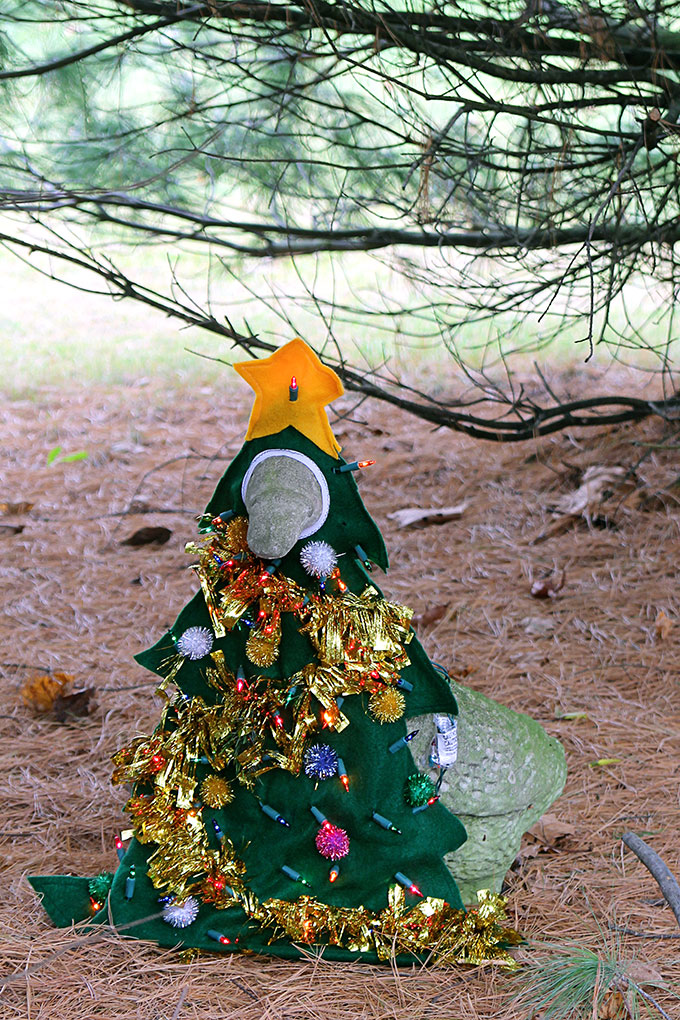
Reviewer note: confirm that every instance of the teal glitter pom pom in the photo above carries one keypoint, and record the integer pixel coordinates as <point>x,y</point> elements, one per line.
<point>98,887</point>
<point>418,789</point>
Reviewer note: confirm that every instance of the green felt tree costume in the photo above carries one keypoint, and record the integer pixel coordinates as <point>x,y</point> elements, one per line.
<point>286,692</point>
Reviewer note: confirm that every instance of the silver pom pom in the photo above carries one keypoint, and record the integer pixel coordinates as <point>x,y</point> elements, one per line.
<point>195,643</point>
<point>180,914</point>
<point>318,559</point>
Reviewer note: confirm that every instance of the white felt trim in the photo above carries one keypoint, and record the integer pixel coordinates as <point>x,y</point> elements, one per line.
<point>314,468</point>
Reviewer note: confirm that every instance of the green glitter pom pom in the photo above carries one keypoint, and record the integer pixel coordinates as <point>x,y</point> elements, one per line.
<point>418,789</point>
<point>99,886</point>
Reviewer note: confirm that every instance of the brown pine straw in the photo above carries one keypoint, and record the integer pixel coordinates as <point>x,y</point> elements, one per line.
<point>75,600</point>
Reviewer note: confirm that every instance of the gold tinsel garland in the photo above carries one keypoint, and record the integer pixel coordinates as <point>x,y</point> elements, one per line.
<point>479,935</point>
<point>358,641</point>
<point>342,627</point>
<point>359,644</point>
<point>185,864</point>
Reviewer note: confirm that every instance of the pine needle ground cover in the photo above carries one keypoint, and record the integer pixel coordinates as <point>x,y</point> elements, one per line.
<point>596,663</point>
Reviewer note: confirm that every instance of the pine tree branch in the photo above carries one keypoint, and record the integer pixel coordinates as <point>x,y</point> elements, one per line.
<point>522,421</point>
<point>609,39</point>
<point>639,56</point>
<point>300,240</point>
<point>35,70</point>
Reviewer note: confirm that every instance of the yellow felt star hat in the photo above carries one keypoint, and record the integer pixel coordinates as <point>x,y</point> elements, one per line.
<point>292,387</point>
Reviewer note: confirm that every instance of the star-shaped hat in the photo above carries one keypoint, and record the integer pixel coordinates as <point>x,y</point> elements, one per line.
<point>292,387</point>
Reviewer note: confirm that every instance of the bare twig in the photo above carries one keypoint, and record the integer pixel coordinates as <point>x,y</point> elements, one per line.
<point>658,869</point>
<point>642,934</point>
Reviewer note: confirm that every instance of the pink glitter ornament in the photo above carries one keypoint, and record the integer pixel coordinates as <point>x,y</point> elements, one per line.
<point>332,842</point>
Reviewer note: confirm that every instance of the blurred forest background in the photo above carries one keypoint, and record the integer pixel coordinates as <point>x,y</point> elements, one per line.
<point>487,187</point>
<point>471,210</point>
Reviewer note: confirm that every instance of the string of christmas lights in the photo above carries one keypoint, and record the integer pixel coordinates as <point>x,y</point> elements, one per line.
<point>260,723</point>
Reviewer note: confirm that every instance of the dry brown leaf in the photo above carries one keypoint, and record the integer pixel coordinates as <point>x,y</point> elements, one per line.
<point>11,529</point>
<point>613,1006</point>
<point>537,626</point>
<point>424,516</point>
<point>41,692</point>
<point>663,625</point>
<point>643,973</point>
<point>8,509</point>
<point>148,536</point>
<point>78,703</point>
<point>528,852</point>
<point>431,616</point>
<point>548,587</point>
<point>555,528</point>
<point>597,483</point>
<point>549,829</point>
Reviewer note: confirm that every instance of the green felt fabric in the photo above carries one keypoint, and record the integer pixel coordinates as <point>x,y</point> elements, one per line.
<point>377,777</point>
<point>66,898</point>
<point>232,923</point>
<point>348,524</point>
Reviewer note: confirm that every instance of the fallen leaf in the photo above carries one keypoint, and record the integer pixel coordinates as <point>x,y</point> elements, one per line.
<point>601,762</point>
<point>424,516</point>
<point>642,973</point>
<point>527,852</point>
<point>431,616</point>
<point>663,625</point>
<point>613,1006</point>
<point>556,527</point>
<point>11,529</point>
<point>548,587</point>
<point>10,509</point>
<point>571,715</point>
<point>124,447</point>
<point>78,703</point>
<point>549,829</point>
<point>147,536</point>
<point>69,458</point>
<point>55,456</point>
<point>392,443</point>
<point>538,626</point>
<point>597,484</point>
<point>41,692</point>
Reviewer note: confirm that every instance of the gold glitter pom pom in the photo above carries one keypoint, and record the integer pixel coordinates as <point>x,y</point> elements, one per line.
<point>263,649</point>
<point>387,705</point>
<point>216,792</point>
<point>236,533</point>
